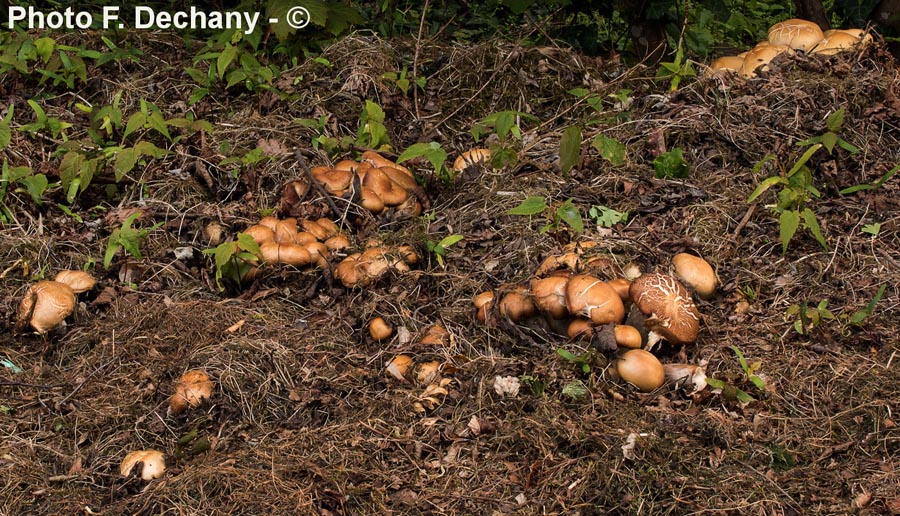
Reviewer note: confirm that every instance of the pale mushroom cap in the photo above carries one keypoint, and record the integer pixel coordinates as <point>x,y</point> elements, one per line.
<point>45,305</point>
<point>672,313</point>
<point>696,273</point>
<point>837,42</point>
<point>760,55</point>
<point>594,298</point>
<point>796,33</point>
<point>398,366</point>
<point>471,157</point>
<point>78,281</point>
<point>260,234</point>
<point>641,369</point>
<point>727,63</point>
<point>154,463</point>
<point>550,295</point>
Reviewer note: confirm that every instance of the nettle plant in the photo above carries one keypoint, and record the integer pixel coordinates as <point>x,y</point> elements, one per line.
<point>797,188</point>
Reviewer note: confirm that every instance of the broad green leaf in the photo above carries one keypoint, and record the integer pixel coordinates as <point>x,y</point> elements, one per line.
<point>789,221</point>
<point>714,383</point>
<point>44,47</point>
<point>247,243</point>
<point>579,92</point>
<point>223,253</point>
<point>415,150</point>
<point>125,161</point>
<point>450,240</point>
<point>532,205</point>
<point>671,164</point>
<point>225,58</point>
<point>566,354</point>
<point>504,123</point>
<point>569,148</point>
<point>35,185</point>
<point>135,122</point>
<point>809,218</point>
<point>569,213</point>
<point>835,121</point>
<point>610,149</point>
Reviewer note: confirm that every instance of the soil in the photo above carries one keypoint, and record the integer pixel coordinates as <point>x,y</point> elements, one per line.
<point>304,418</point>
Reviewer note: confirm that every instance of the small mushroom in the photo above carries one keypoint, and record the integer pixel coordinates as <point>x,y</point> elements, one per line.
<point>154,464</point>
<point>672,313</point>
<point>580,328</point>
<point>45,305</point>
<point>260,234</point>
<point>621,286</point>
<point>471,157</point>
<point>483,303</point>
<point>796,33</point>
<point>379,329</point>
<point>726,64</point>
<point>760,56</point>
<point>689,376</point>
<point>641,369</point>
<point>436,335</point>
<point>79,281</point>
<point>696,273</point>
<point>191,390</point>
<point>627,336</point>
<point>517,305</point>
<point>398,367</point>
<point>550,295</point>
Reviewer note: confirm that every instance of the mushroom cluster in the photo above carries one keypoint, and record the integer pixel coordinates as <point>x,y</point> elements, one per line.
<point>297,243</point>
<point>579,297</point>
<point>429,375</point>
<point>367,267</point>
<point>789,36</point>
<point>375,183</point>
<point>47,303</point>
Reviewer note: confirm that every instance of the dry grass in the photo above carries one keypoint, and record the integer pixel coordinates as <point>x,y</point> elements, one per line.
<point>303,419</point>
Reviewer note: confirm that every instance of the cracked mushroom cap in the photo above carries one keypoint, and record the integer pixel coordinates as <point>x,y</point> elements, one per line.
<point>672,313</point>
<point>838,42</point>
<point>593,298</point>
<point>796,33</point>
<point>45,305</point>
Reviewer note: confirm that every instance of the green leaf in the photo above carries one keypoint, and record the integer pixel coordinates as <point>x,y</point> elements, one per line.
<point>35,185</point>
<point>44,47</point>
<point>789,221</point>
<point>740,357</point>
<point>415,150</point>
<point>532,205</point>
<point>765,185</point>
<point>803,159</point>
<point>872,229</point>
<point>569,213</point>
<point>247,243</point>
<point>579,92</point>
<point>225,58</point>
<point>714,383</point>
<point>829,140</point>
<point>504,122</point>
<point>847,146</point>
<point>135,122</point>
<point>126,159</point>
<point>870,308</point>
<point>742,396</point>
<point>609,149</point>
<point>569,148</point>
<point>5,131</point>
<point>835,121</point>
<point>809,218</point>
<point>671,164</point>
<point>449,240</point>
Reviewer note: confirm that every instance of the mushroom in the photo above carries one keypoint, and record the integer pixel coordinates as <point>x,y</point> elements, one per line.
<point>796,33</point>
<point>760,56</point>
<point>687,376</point>
<point>726,64</point>
<point>154,464</point>
<point>337,242</point>
<point>696,273</point>
<point>837,42</point>
<point>580,328</point>
<point>78,281</point>
<point>593,298</point>
<point>391,193</point>
<point>627,336</point>
<point>379,329</point>
<point>260,234</point>
<point>398,366</point>
<point>377,160</point>
<point>45,305</point>
<point>672,313</point>
<point>191,390</point>
<point>436,335</point>
<point>517,305</point>
<point>621,286</point>
<point>471,157</point>
<point>641,369</point>
<point>550,295</point>
<point>483,303</point>
<point>286,230</point>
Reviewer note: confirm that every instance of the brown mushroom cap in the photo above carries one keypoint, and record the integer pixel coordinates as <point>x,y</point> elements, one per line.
<point>153,460</point>
<point>45,305</point>
<point>191,390</point>
<point>268,221</point>
<point>593,298</point>
<point>760,55</point>
<point>672,313</point>
<point>621,286</point>
<point>436,335</point>
<point>398,366</point>
<point>315,229</point>
<point>796,33</point>
<point>517,305</point>
<point>370,200</point>
<point>337,242</point>
<point>641,369</point>
<point>550,295</point>
<point>627,336</point>
<point>390,192</point>
<point>377,160</point>
<point>286,230</point>
<point>334,180</point>
<point>331,228</point>
<point>78,281</point>
<point>260,234</point>
<point>580,328</point>
<point>696,273</point>
<point>471,157</point>
<point>379,329</point>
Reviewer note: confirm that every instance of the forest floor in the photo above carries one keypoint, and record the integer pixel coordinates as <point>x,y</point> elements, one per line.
<point>304,418</point>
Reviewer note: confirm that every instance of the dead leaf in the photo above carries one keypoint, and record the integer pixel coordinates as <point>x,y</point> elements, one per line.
<point>272,147</point>
<point>236,326</point>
